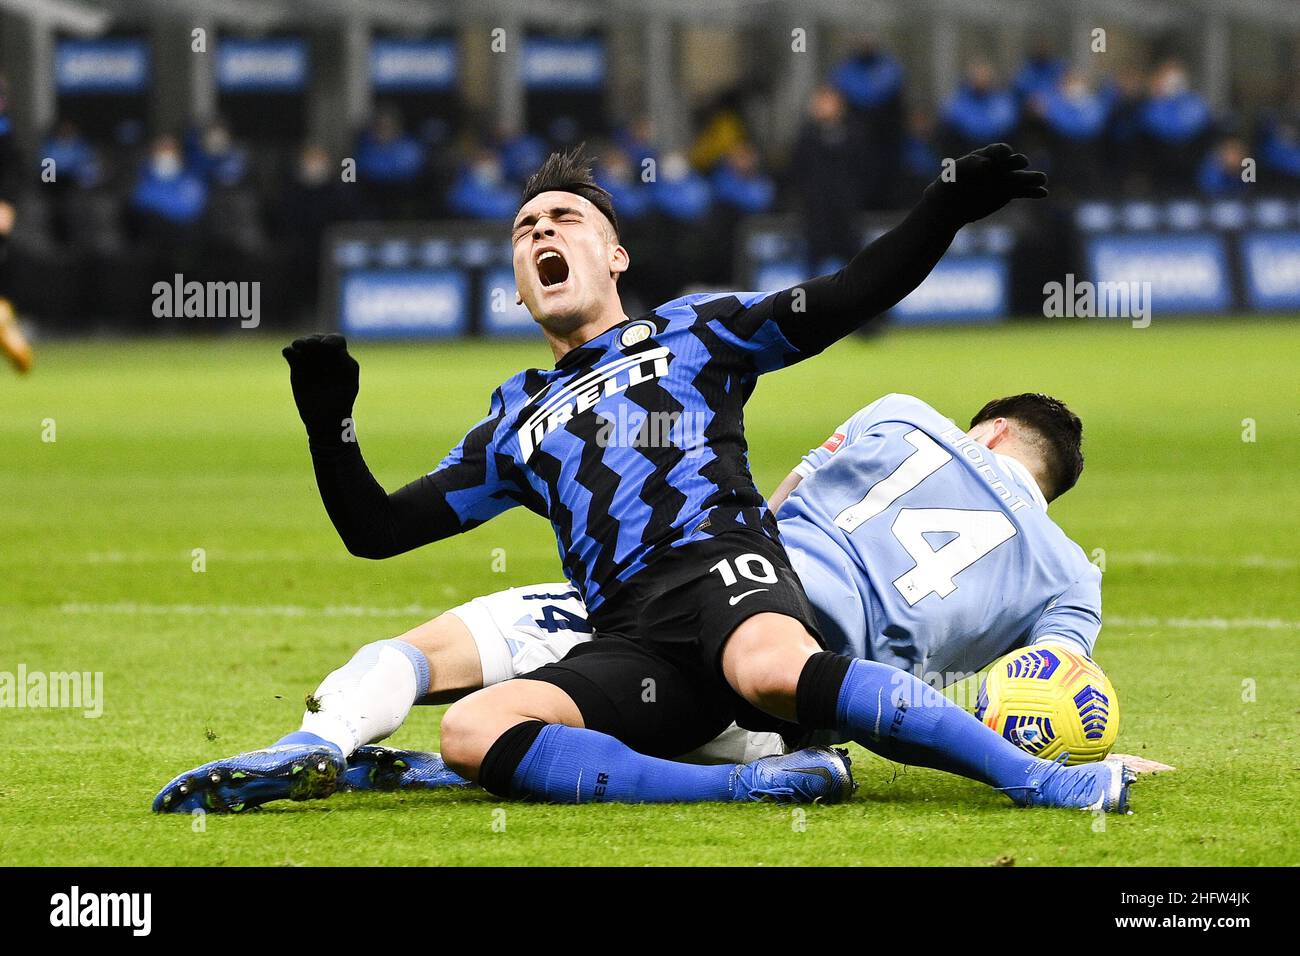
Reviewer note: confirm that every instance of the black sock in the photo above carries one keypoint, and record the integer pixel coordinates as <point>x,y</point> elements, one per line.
<point>817,694</point>
<point>504,757</point>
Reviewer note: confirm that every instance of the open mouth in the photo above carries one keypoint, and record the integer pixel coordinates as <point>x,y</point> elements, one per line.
<point>551,268</point>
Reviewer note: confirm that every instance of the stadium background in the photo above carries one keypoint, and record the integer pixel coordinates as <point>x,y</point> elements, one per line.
<point>159,521</point>
<point>748,144</point>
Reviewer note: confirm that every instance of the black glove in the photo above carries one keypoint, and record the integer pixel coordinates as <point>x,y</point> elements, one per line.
<point>983,182</point>
<point>325,379</point>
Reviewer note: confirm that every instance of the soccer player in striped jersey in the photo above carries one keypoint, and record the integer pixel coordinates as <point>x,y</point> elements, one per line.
<point>662,545</point>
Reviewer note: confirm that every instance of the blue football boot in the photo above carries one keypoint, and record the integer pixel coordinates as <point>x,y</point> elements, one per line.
<point>814,775</point>
<point>1089,786</point>
<point>235,784</point>
<point>383,768</point>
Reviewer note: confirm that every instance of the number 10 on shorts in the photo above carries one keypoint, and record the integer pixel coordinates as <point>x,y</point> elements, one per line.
<point>752,567</point>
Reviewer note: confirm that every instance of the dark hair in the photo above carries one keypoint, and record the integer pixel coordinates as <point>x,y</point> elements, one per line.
<point>570,173</point>
<point>1059,432</point>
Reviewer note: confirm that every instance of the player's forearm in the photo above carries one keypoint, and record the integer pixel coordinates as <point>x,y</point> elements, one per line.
<point>887,270</point>
<point>371,522</point>
<point>873,281</point>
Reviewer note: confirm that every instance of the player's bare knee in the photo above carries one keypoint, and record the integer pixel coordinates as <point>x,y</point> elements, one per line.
<point>770,677</point>
<point>466,736</point>
<point>763,660</point>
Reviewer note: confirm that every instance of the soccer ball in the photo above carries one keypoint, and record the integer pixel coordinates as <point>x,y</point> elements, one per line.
<point>1049,701</point>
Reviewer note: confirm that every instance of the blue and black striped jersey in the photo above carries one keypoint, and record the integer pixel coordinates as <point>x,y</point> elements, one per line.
<point>633,443</point>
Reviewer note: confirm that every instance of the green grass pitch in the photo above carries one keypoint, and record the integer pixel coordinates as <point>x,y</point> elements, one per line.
<point>163,448</point>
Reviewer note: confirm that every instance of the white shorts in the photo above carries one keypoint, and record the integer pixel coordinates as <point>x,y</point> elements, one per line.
<point>520,629</point>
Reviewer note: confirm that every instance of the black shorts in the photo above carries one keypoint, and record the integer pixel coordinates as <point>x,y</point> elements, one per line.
<point>652,675</point>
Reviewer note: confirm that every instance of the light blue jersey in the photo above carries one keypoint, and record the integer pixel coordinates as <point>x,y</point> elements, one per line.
<point>925,550</point>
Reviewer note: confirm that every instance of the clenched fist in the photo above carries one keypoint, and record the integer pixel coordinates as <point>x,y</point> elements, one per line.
<point>325,380</point>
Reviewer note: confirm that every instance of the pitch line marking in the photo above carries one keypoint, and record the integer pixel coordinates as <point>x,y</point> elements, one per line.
<point>132,608</point>
<point>429,611</point>
<point>1256,562</point>
<point>1203,623</point>
<point>1260,562</point>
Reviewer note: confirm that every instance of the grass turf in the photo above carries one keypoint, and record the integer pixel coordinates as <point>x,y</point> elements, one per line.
<point>163,448</point>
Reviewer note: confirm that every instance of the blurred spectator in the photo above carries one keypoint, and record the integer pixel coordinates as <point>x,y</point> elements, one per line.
<point>679,192</point>
<point>871,83</point>
<point>167,196</point>
<point>386,153</point>
<point>6,124</point>
<point>166,217</point>
<point>686,242</point>
<point>314,198</point>
<point>390,164</point>
<point>211,152</point>
<point>979,112</point>
<point>481,191</point>
<point>75,160</point>
<point>565,132</point>
<point>1073,115</point>
<point>10,174</point>
<point>76,169</point>
<point>521,154</point>
<point>1220,173</point>
<point>1073,109</point>
<point>1042,71</point>
<point>721,129</point>
<point>435,132</point>
<point>1279,153</point>
<point>741,189</point>
<point>1174,113</point>
<point>13,343</point>
<point>740,184</point>
<point>129,133</point>
<point>920,160</point>
<point>616,174</point>
<point>1125,96</point>
<point>314,195</point>
<point>825,170</point>
<point>869,78</point>
<point>1175,124</point>
<point>637,139</point>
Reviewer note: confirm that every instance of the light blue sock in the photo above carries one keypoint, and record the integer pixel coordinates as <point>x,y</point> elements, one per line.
<point>575,765</point>
<point>300,737</point>
<point>902,718</point>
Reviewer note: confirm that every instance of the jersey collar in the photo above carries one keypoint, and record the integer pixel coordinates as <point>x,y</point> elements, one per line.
<point>1022,475</point>
<point>579,352</point>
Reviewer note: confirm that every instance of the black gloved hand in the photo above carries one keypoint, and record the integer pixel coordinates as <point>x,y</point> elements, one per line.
<point>983,182</point>
<point>325,380</point>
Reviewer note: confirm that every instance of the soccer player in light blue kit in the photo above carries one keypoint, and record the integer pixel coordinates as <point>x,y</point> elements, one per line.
<point>920,545</point>
<point>929,548</point>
